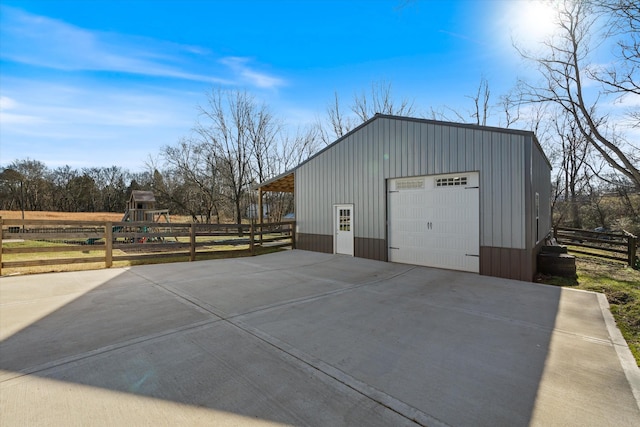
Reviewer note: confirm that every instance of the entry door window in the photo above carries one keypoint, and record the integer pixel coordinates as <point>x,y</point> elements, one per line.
<point>344,219</point>
<point>343,225</point>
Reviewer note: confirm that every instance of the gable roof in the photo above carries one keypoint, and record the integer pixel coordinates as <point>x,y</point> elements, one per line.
<point>277,181</point>
<point>142,196</point>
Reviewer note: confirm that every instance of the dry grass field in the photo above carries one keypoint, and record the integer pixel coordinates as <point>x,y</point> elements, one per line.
<point>66,216</point>
<point>78,216</point>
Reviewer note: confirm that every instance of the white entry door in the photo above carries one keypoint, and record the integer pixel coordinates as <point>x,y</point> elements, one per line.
<point>435,221</point>
<point>343,229</point>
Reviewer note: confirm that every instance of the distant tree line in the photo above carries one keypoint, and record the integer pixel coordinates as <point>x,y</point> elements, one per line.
<point>31,186</point>
<point>238,141</point>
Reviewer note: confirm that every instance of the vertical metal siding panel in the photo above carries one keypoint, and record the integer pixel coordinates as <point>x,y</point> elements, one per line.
<point>454,149</point>
<point>384,140</point>
<point>395,139</point>
<point>399,137</point>
<point>541,182</point>
<point>461,148</point>
<point>302,182</point>
<point>308,202</point>
<point>342,156</point>
<point>417,148</point>
<point>382,162</point>
<point>374,173</point>
<point>425,148</point>
<point>411,152</point>
<point>314,197</point>
<point>528,197</point>
<point>404,149</point>
<point>470,150</point>
<point>496,188</point>
<point>303,204</point>
<point>370,143</point>
<point>359,184</point>
<point>324,206</point>
<point>451,145</point>
<point>445,139</point>
<point>486,203</point>
<point>507,185</point>
<point>321,196</point>
<point>297,196</point>
<point>517,207</point>
<point>437,151</point>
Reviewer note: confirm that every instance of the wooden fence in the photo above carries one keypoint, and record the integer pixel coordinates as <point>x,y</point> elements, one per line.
<point>36,243</point>
<point>615,246</point>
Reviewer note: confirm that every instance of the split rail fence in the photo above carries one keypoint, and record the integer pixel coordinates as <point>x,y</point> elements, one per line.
<point>37,243</point>
<point>615,246</point>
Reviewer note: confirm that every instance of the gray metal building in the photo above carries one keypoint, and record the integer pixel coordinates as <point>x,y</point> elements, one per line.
<point>425,192</point>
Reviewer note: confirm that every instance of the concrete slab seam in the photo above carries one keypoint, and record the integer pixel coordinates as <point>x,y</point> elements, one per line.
<point>311,298</point>
<point>222,361</point>
<point>628,362</point>
<point>187,299</point>
<point>12,376</point>
<point>255,264</point>
<point>318,366</point>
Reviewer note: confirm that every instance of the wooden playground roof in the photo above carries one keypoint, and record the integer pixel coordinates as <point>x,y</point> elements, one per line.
<point>283,183</point>
<point>142,196</point>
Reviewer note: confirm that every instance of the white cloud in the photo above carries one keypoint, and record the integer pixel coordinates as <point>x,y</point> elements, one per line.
<point>45,42</point>
<point>50,43</point>
<point>7,103</point>
<point>248,75</point>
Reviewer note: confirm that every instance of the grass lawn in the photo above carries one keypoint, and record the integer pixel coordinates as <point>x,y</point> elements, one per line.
<point>620,284</point>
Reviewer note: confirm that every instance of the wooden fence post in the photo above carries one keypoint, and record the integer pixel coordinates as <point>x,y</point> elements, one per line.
<point>632,243</point>
<point>108,245</point>
<point>251,238</point>
<point>192,241</point>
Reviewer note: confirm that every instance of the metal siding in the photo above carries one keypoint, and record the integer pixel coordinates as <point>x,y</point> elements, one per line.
<point>469,150</point>
<point>498,155</point>
<point>518,193</point>
<point>486,187</point>
<point>411,148</point>
<point>354,171</point>
<point>541,183</point>
<point>506,228</point>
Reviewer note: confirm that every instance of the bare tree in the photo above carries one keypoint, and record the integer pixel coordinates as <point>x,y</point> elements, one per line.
<point>191,180</point>
<point>239,134</point>
<point>567,66</point>
<point>379,99</point>
<point>482,109</point>
<point>575,150</point>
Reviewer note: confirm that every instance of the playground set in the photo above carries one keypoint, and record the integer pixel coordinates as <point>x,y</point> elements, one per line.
<point>141,208</point>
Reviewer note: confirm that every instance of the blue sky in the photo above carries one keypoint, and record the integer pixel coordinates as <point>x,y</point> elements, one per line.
<point>101,83</point>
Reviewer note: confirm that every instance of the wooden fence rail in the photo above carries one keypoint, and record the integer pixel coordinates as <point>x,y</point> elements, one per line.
<point>106,242</point>
<point>615,246</point>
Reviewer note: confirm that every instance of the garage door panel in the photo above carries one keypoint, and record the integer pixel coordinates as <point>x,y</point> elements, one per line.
<point>435,226</point>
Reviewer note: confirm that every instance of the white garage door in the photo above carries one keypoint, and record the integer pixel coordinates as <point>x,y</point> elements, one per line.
<point>435,221</point>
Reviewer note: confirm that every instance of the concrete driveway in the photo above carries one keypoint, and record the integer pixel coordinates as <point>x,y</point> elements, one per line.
<point>304,338</point>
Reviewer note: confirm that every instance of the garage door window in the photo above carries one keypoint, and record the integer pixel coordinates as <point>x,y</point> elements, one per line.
<point>451,182</point>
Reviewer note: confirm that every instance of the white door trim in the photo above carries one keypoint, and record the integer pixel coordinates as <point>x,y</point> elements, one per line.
<point>343,237</point>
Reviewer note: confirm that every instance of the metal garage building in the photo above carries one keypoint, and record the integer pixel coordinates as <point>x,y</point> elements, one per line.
<point>425,192</point>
